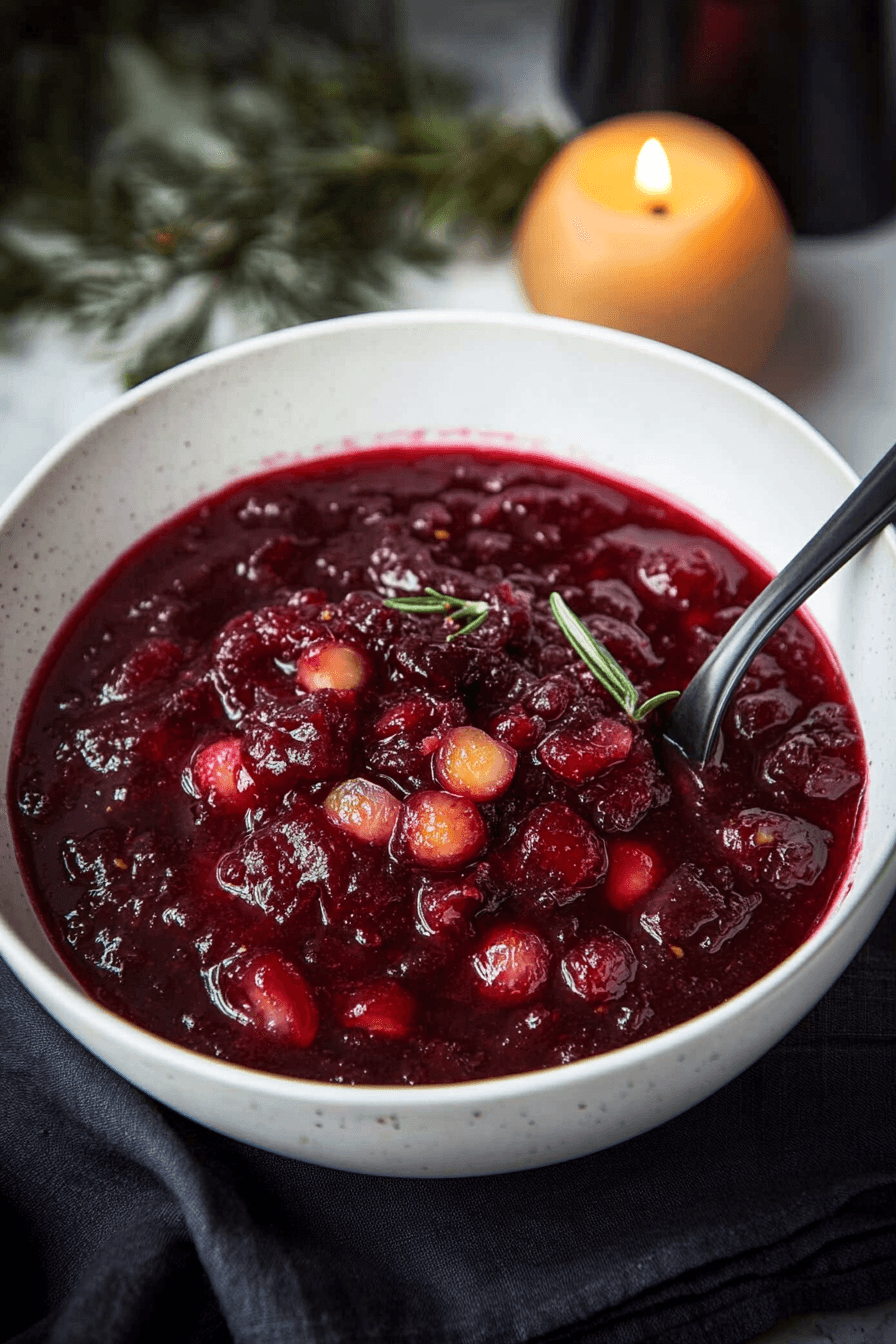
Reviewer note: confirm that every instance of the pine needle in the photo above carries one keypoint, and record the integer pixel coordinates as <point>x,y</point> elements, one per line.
<point>293,189</point>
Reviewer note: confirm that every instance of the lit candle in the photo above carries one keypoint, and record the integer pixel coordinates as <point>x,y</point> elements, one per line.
<point>665,226</point>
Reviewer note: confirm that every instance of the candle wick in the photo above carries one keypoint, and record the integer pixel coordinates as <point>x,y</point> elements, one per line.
<point>659,208</point>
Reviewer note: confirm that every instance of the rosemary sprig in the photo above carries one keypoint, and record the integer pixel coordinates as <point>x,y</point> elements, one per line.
<point>431,602</point>
<point>601,663</point>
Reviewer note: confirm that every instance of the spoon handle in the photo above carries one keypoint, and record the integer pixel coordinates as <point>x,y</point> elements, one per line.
<point>694,723</point>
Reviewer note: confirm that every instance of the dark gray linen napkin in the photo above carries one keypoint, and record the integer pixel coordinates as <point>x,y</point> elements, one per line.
<point>132,1225</point>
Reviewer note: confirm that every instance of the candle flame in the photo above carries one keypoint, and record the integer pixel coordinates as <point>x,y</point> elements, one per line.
<point>652,172</point>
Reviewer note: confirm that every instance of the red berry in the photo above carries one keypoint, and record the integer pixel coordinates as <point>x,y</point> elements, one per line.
<point>287,866</point>
<point>474,765</point>
<point>819,757</point>
<point>445,906</point>
<point>441,830</point>
<point>670,569</point>
<point>786,852</point>
<point>635,869</point>
<point>382,1008</point>
<point>275,997</point>
<point>511,964</point>
<point>600,968</point>
<point>220,776</point>
<point>555,852</point>
<point>620,798</point>
<point>762,712</point>
<point>307,739</point>
<point>688,912</point>
<point>416,711</point>
<point>152,661</point>
<point>551,697</point>
<point>366,811</point>
<point>334,666</point>
<point>517,728</point>
<point>578,754</point>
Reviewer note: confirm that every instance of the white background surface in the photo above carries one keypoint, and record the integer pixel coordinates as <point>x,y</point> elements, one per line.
<point>835,362</point>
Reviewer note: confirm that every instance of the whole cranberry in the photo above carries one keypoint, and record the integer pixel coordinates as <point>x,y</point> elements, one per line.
<point>444,906</point>
<point>635,869</point>
<point>576,754</point>
<point>554,851</point>
<point>511,964</point>
<point>784,851</point>
<point>268,992</point>
<point>600,968</point>
<point>517,728</point>
<point>381,1008</point>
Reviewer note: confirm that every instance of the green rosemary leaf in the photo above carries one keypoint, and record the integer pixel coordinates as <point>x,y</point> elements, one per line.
<point>431,602</point>
<point>601,663</point>
<point>654,703</point>
<point>473,624</point>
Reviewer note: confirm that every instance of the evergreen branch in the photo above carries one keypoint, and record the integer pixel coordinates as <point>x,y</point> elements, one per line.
<point>292,190</point>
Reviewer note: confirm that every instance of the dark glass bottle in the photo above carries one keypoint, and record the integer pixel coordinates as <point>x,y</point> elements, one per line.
<point>808,85</point>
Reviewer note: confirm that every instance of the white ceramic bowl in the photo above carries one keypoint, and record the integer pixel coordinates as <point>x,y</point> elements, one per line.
<point>583,394</point>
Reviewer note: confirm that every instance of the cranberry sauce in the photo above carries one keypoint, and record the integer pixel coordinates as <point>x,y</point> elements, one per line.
<point>272,819</point>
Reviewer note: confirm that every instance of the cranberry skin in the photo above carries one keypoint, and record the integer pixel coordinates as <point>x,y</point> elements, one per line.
<point>474,765</point>
<point>366,811</point>
<point>785,852</point>
<point>612,597</point>
<point>334,666</point>
<point>309,739</point>
<point>556,852</point>
<point>687,909</point>
<point>285,866</point>
<point>511,964</point>
<point>763,712</point>
<point>517,728</point>
<point>275,562</point>
<point>628,644</point>
<point>620,799</point>
<point>576,755</point>
<point>381,1008</point>
<point>818,757</point>
<point>412,714</point>
<point>673,570</point>
<point>273,996</point>
<point>600,968</point>
<point>551,697</point>
<point>153,661</point>
<point>446,906</point>
<point>244,659</point>
<point>635,869</point>
<point>220,776</point>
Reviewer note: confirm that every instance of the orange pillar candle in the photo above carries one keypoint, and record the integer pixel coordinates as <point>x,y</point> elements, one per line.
<point>665,226</point>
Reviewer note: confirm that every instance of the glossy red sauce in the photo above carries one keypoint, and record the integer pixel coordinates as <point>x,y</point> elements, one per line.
<point>254,818</point>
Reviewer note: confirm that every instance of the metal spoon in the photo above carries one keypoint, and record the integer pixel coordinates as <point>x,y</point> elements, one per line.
<point>693,725</point>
